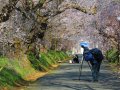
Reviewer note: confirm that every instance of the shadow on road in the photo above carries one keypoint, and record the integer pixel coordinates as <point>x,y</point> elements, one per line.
<point>66,77</point>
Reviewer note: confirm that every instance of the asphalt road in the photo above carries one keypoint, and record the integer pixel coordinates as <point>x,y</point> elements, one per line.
<point>66,77</point>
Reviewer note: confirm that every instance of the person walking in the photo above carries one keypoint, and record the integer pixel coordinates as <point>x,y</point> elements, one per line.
<point>95,61</point>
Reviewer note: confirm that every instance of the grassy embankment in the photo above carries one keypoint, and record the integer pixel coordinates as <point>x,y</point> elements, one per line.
<point>112,57</point>
<point>17,72</point>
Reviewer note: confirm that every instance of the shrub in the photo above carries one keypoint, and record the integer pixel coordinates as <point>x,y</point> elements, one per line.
<point>9,77</point>
<point>46,60</point>
<point>111,55</point>
<point>36,63</point>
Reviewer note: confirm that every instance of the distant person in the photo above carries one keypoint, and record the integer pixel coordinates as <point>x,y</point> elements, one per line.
<point>76,59</point>
<point>95,57</point>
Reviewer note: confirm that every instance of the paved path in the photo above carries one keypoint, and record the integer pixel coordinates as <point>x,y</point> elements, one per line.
<point>66,78</point>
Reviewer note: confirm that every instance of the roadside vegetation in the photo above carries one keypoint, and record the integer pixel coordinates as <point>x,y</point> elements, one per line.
<point>112,55</point>
<point>17,72</point>
<point>113,59</point>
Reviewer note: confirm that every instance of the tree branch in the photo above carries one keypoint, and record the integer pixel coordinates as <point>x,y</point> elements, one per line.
<point>6,10</point>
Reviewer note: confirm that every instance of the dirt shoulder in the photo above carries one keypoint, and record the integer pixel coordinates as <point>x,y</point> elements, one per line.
<point>38,74</point>
<point>115,68</point>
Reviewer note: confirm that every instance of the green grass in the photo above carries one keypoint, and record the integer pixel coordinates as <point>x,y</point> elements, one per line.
<point>36,63</point>
<point>14,72</point>
<point>58,55</point>
<point>8,76</point>
<point>111,55</point>
<point>21,67</point>
<point>3,62</point>
<point>46,60</point>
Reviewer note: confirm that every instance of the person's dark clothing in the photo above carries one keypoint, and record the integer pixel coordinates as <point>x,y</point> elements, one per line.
<point>97,54</point>
<point>95,65</point>
<point>76,59</point>
<point>86,49</point>
<point>95,71</point>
